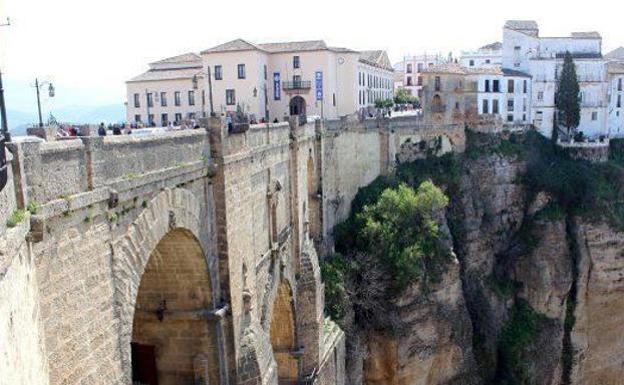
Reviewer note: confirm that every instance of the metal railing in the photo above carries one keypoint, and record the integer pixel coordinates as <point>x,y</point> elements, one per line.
<point>297,85</point>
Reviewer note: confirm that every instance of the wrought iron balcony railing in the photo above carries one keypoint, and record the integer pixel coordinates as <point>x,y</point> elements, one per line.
<point>297,85</point>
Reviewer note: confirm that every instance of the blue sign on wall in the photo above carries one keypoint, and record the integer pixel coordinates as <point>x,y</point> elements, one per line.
<point>276,86</point>
<point>318,78</point>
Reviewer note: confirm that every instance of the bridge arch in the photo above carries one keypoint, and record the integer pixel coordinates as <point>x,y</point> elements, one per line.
<point>164,292</point>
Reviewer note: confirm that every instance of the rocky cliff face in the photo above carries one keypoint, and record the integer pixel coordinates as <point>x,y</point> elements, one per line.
<point>535,296</point>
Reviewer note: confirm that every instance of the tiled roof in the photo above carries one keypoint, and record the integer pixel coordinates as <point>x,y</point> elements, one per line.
<point>493,46</point>
<point>168,74</point>
<point>521,24</point>
<point>615,67</point>
<point>617,53</point>
<point>294,46</point>
<point>586,35</point>
<point>231,46</point>
<point>341,49</point>
<point>184,58</point>
<point>446,68</point>
<point>377,58</point>
<point>454,68</point>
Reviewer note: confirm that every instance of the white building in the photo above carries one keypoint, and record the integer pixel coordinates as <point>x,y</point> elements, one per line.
<point>413,67</point>
<point>166,92</point>
<point>272,81</point>
<point>488,55</point>
<point>542,58</point>
<point>615,70</point>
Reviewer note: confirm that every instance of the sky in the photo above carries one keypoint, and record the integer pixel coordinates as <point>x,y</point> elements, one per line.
<point>89,48</point>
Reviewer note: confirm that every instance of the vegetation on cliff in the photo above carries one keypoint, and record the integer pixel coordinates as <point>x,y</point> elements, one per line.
<point>391,240</point>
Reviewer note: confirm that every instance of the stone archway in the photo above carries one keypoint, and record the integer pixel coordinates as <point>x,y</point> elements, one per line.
<point>283,336</point>
<point>297,106</point>
<point>172,341</point>
<point>161,244</point>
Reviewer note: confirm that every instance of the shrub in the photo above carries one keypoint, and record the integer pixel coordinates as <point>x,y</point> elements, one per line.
<point>16,217</point>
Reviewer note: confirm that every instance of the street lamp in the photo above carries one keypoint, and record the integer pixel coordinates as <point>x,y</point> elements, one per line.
<point>4,131</point>
<point>196,86</point>
<point>51,93</point>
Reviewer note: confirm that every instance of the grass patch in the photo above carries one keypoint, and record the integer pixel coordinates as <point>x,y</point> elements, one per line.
<point>16,217</point>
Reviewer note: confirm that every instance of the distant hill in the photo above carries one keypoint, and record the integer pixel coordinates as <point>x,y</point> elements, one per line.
<point>113,113</point>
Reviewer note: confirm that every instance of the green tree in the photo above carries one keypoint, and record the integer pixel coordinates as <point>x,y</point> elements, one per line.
<point>401,230</point>
<point>567,97</point>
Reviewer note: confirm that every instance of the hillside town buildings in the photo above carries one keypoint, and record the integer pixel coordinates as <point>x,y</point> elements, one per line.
<point>266,81</point>
<point>520,87</point>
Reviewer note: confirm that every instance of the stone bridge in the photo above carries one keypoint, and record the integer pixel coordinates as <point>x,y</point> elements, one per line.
<point>184,258</point>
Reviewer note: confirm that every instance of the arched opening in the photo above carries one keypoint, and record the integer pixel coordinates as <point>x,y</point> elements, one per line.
<point>313,199</point>
<point>297,106</point>
<point>283,335</point>
<point>173,335</point>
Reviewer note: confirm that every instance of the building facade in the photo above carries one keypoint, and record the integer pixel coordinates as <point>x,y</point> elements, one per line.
<point>615,74</point>
<point>455,93</point>
<point>171,91</point>
<point>542,57</point>
<point>491,54</point>
<point>272,81</point>
<point>413,67</point>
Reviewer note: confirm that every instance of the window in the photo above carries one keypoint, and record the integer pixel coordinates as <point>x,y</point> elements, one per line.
<point>409,80</point>
<point>137,118</point>
<point>620,84</point>
<point>265,72</point>
<point>191,98</point>
<point>487,85</point>
<point>297,81</point>
<point>540,95</point>
<point>230,97</point>
<point>150,99</point>
<point>419,80</point>
<point>524,87</point>
<point>178,117</point>
<point>495,106</point>
<point>218,72</point>
<point>619,101</point>
<point>241,71</point>
<point>471,63</point>
<point>409,68</point>
<point>485,108</point>
<point>495,86</point>
<point>163,99</point>
<point>510,105</point>
<point>150,119</point>
<point>524,117</point>
<point>296,63</point>
<point>487,61</point>
<point>137,102</point>
<point>176,99</point>
<point>437,84</point>
<point>510,117</point>
<point>510,86</point>
<point>164,120</point>
<point>420,67</point>
<point>594,115</point>
<point>539,115</point>
<point>334,99</point>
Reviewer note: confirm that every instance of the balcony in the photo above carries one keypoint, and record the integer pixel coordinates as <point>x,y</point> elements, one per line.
<point>297,85</point>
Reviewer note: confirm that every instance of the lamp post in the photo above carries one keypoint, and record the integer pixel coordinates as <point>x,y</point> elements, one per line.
<point>50,93</point>
<point>196,86</point>
<point>4,130</point>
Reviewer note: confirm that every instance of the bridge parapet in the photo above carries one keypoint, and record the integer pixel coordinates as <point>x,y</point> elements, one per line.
<point>46,171</point>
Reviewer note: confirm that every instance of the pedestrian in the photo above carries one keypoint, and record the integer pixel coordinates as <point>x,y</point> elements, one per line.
<point>102,130</point>
<point>116,130</point>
